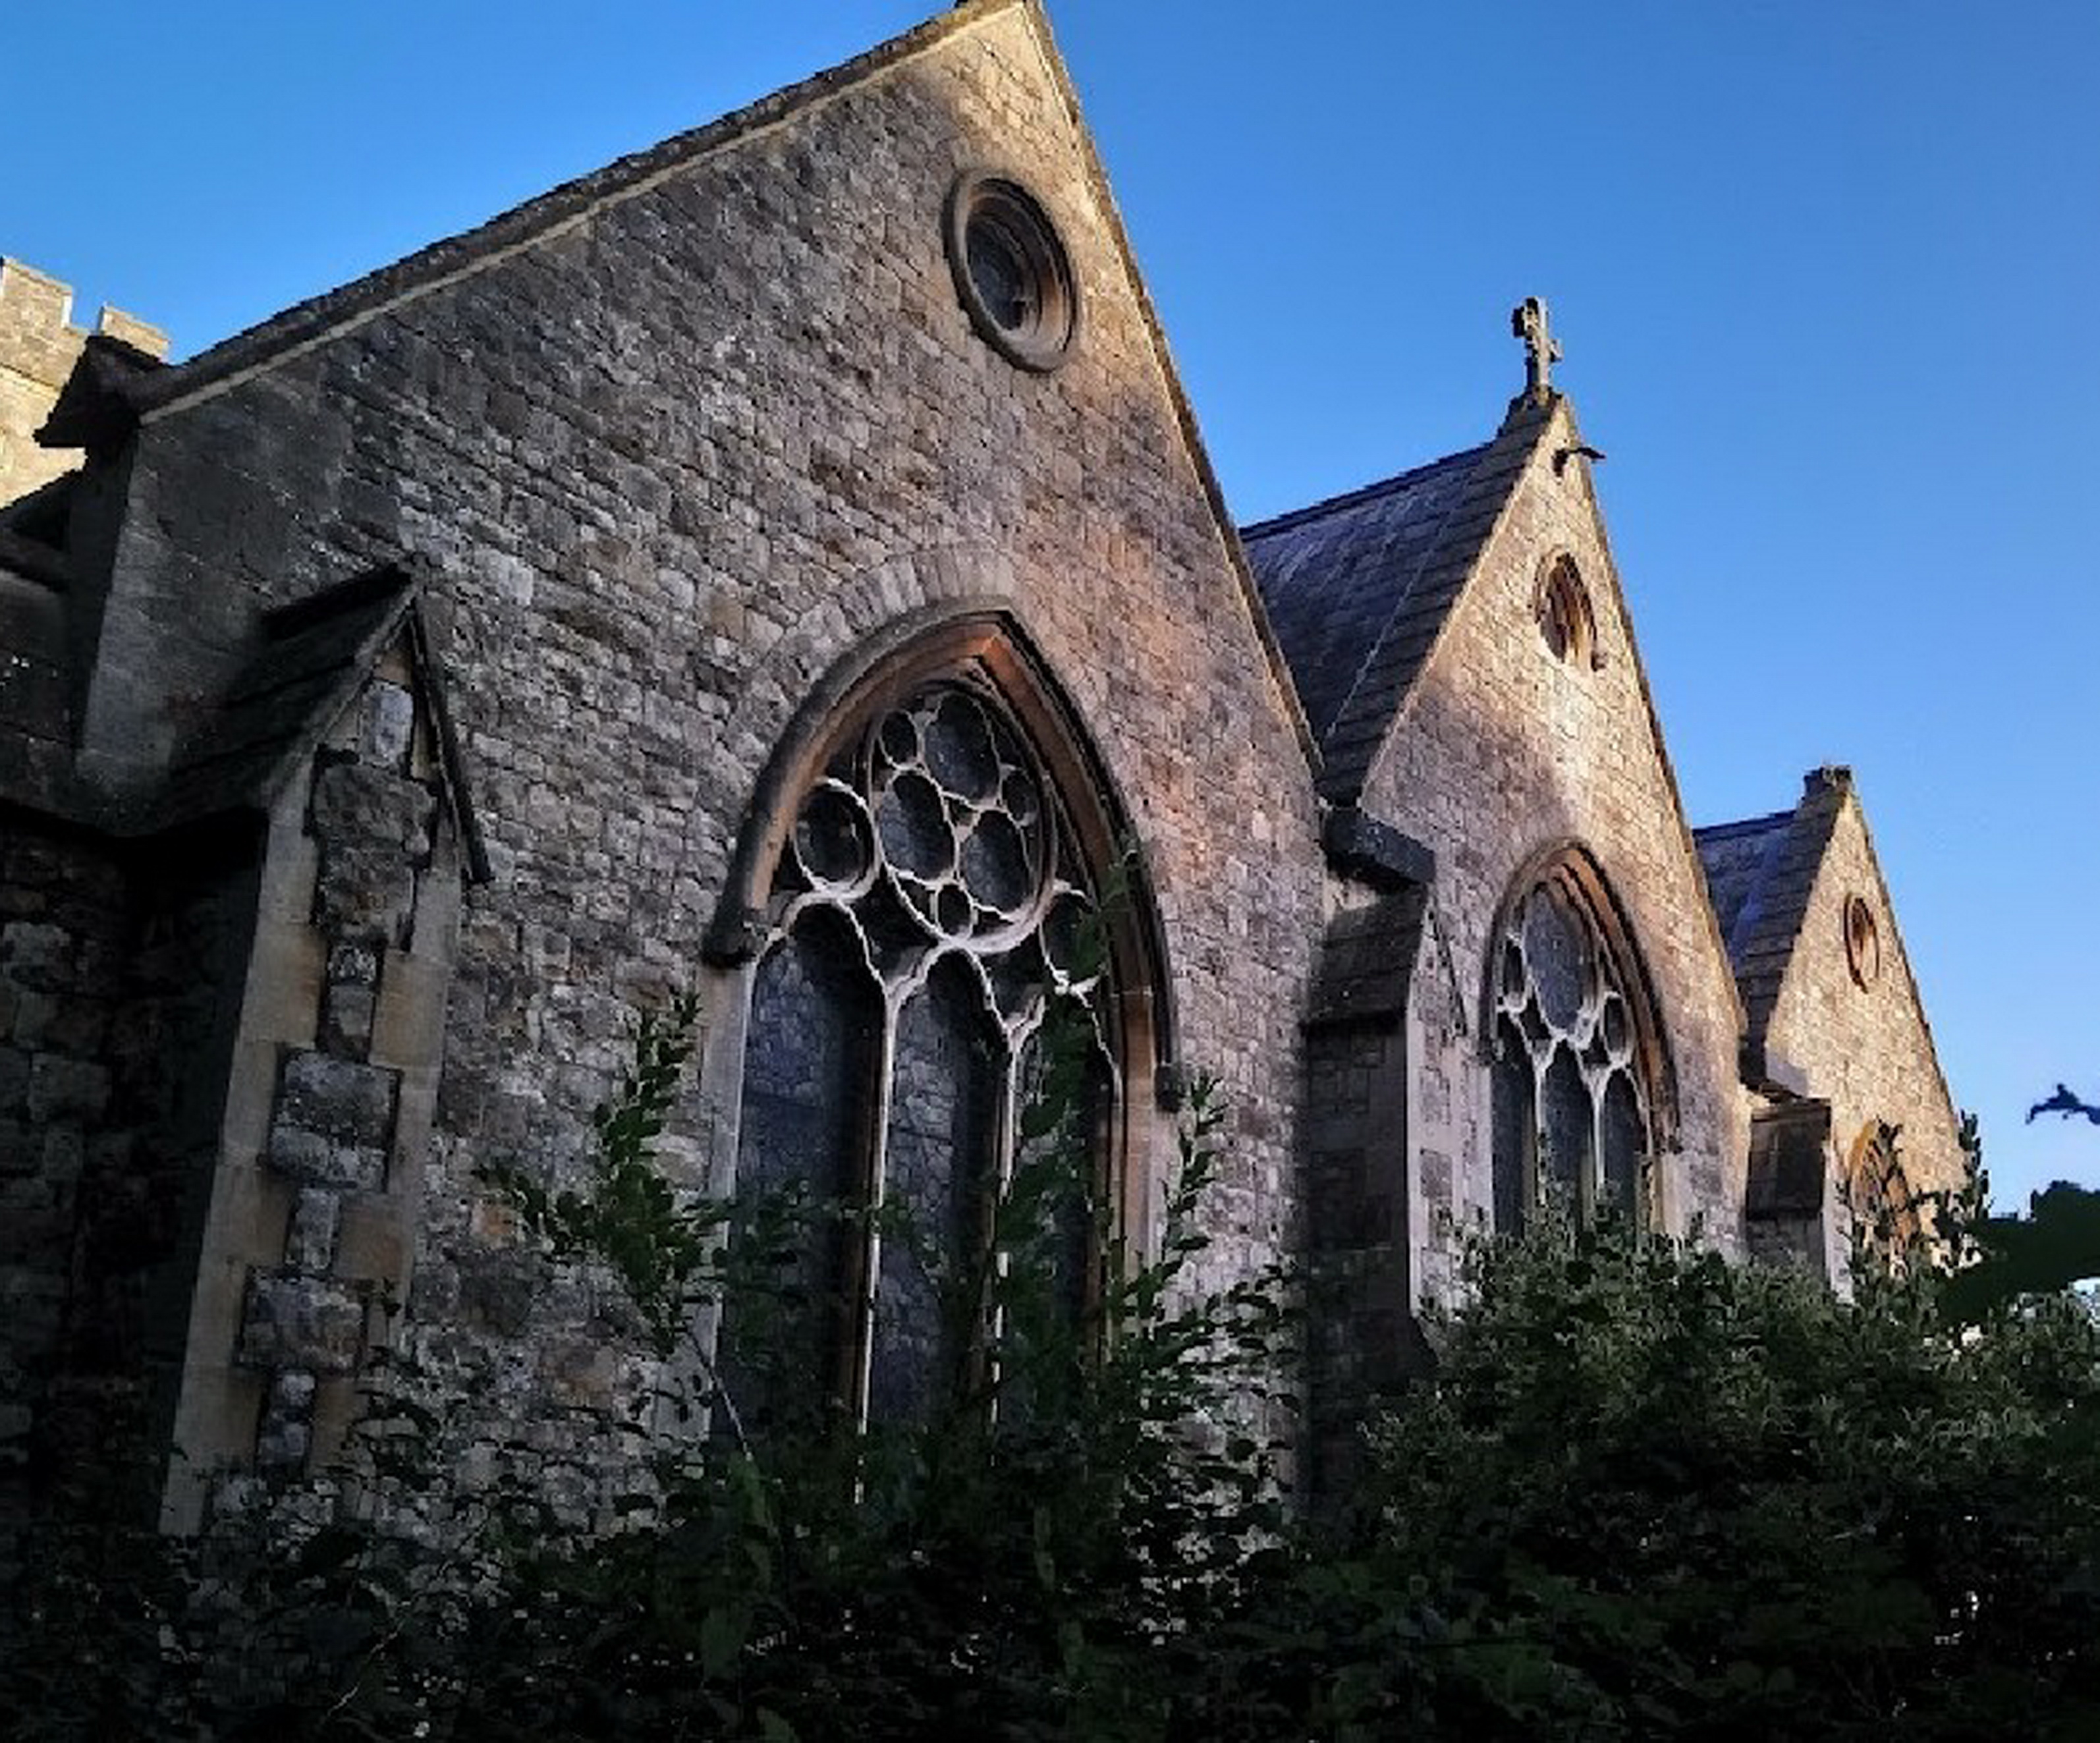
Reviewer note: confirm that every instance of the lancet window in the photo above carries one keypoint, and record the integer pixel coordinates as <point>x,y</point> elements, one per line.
<point>1885,1212</point>
<point>929,903</point>
<point>1573,1094</point>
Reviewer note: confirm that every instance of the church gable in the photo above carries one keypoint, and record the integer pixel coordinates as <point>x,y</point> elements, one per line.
<point>1841,1021</point>
<point>694,453</point>
<point>1524,736</point>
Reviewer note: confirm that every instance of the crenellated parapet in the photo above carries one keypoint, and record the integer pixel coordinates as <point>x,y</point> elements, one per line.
<point>38,346</point>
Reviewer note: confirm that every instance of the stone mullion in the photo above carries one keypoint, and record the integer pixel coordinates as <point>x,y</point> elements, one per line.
<point>865,1290</point>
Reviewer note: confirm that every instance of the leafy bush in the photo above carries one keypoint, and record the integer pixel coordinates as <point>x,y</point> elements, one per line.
<point>1641,1493</point>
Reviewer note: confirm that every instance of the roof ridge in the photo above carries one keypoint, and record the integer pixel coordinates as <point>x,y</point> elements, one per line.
<point>1515,436</point>
<point>1743,825</point>
<point>318,317</point>
<point>1290,517</point>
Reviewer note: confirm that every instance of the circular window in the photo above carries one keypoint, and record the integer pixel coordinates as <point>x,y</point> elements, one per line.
<point>1863,942</point>
<point>1011,271</point>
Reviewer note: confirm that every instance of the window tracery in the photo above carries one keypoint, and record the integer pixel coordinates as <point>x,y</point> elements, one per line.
<point>1565,617</point>
<point>1885,1210</point>
<point>1571,1079</point>
<point>929,903</point>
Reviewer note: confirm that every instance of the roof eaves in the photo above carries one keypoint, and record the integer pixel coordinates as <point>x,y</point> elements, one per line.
<point>1404,648</point>
<point>306,325</point>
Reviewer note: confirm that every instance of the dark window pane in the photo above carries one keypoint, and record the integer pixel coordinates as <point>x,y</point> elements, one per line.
<point>998,268</point>
<point>937,1163</point>
<point>1557,950</point>
<point>1567,1125</point>
<point>959,751</point>
<point>1515,1126</point>
<point>1625,1135</point>
<point>995,864</point>
<point>912,819</point>
<point>809,1067</point>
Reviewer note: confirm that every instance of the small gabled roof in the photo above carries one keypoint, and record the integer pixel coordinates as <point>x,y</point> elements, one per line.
<point>1358,588</point>
<point>1760,872</point>
<point>308,660</point>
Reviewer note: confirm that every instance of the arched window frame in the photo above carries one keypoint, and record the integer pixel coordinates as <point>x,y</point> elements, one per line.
<point>1568,874</point>
<point>1567,619</point>
<point>1885,1219</point>
<point>982,649</point>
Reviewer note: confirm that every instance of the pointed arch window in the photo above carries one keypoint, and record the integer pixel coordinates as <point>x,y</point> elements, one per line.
<point>931,898</point>
<point>1878,1190</point>
<point>1576,1079</point>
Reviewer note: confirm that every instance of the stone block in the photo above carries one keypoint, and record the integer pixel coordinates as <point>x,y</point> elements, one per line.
<point>310,1245</point>
<point>308,1157</point>
<point>358,805</point>
<point>347,1018</point>
<point>365,895</point>
<point>386,723</point>
<point>67,1089</point>
<point>292,1321</point>
<point>337,1098</point>
<point>35,954</point>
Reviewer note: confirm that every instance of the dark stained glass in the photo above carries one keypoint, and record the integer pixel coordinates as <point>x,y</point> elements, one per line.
<point>1567,1127</point>
<point>995,864</point>
<point>912,819</point>
<point>938,1160</point>
<point>1624,1138</point>
<point>1567,1042</point>
<point>998,268</point>
<point>959,752</point>
<point>1515,1127</point>
<point>1558,954</point>
<point>809,1075</point>
<point>831,835</point>
<point>930,863</point>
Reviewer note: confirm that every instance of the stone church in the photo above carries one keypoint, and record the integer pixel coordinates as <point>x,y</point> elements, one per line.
<point>783,564</point>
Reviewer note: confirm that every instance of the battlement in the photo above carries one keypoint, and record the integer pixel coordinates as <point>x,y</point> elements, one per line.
<point>38,346</point>
<point>37,338</point>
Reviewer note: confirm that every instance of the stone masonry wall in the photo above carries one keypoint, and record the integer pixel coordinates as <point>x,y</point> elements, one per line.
<point>39,347</point>
<point>1868,1051</point>
<point>308,1239</point>
<point>63,922</point>
<point>676,460</point>
<point>117,972</point>
<point>1503,749</point>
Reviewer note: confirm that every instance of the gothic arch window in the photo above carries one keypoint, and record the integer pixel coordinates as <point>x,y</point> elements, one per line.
<point>937,856</point>
<point>1578,1082</point>
<point>1885,1212</point>
<point>1566,618</point>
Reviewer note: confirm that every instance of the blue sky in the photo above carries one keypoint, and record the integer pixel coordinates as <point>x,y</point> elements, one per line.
<point>1825,274</point>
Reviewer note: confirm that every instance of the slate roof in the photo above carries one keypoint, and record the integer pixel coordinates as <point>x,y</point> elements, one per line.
<point>299,673</point>
<point>1358,588</point>
<point>1760,872</point>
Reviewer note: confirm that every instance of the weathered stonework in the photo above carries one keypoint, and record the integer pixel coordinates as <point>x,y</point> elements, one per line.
<point>1502,749</point>
<point>463,623</point>
<point>39,348</point>
<point>1867,1051</point>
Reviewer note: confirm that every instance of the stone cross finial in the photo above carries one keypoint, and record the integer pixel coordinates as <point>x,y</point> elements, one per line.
<point>1542,351</point>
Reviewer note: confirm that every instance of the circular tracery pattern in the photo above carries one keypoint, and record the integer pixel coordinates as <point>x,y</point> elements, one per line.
<point>928,903</point>
<point>929,837</point>
<point>1572,1119</point>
